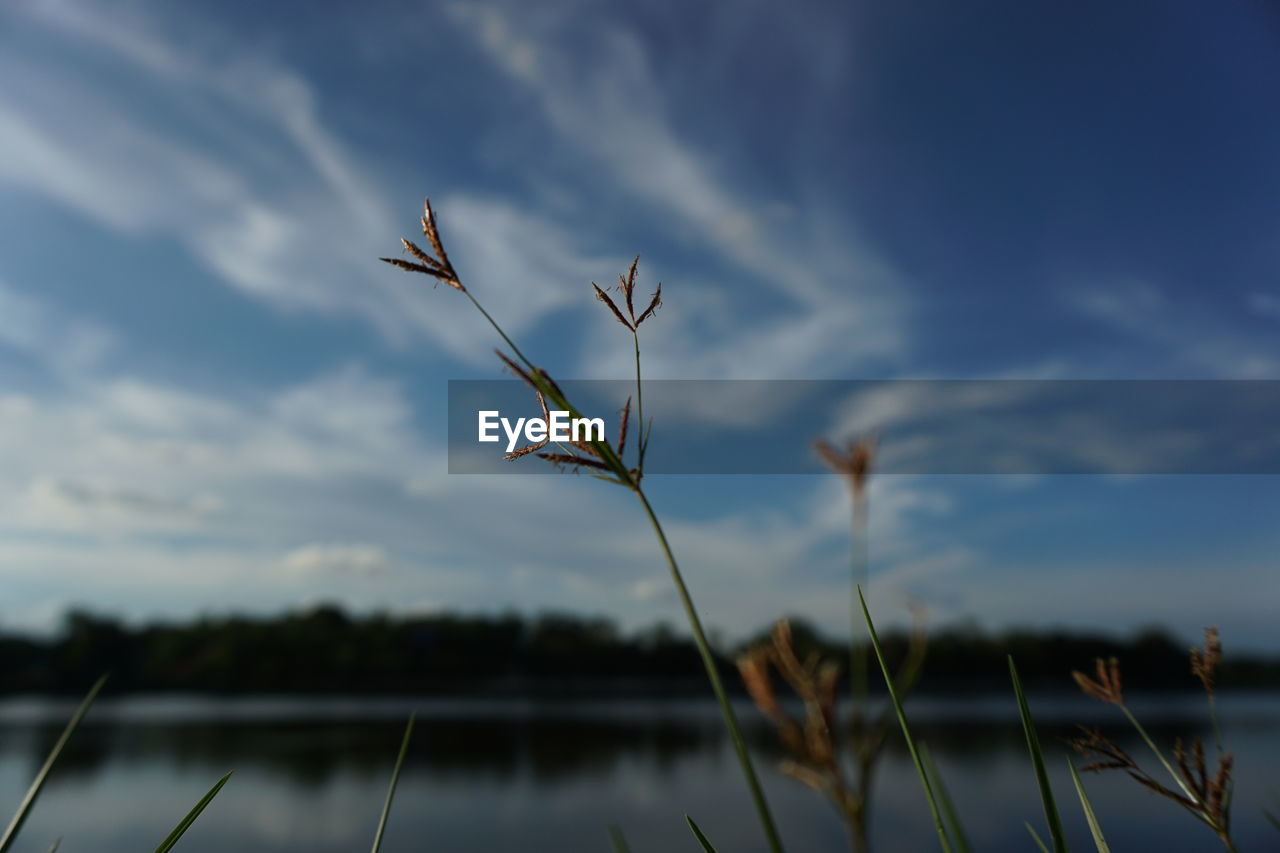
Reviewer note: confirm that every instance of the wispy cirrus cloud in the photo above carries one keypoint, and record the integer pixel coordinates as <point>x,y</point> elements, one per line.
<point>1187,340</point>
<point>287,213</point>
<point>843,302</point>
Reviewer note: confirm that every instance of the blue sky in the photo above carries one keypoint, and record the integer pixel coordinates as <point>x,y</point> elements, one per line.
<point>213,397</point>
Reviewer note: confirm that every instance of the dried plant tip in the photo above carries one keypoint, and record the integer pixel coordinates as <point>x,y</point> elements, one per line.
<point>803,774</point>
<point>410,266</point>
<point>604,297</point>
<point>432,234</point>
<point>443,275</point>
<point>413,249</point>
<point>1204,663</point>
<point>1109,754</point>
<point>654,305</point>
<point>551,383</point>
<point>531,448</point>
<point>828,678</point>
<point>517,370</point>
<point>524,451</point>
<point>754,669</point>
<point>586,447</point>
<point>854,462</point>
<point>622,427</point>
<point>1106,687</point>
<point>629,286</point>
<point>437,267</point>
<point>1219,789</point>
<point>572,461</point>
<point>797,674</point>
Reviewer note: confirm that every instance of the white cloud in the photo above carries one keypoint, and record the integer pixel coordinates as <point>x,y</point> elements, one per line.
<point>320,558</point>
<point>51,504</point>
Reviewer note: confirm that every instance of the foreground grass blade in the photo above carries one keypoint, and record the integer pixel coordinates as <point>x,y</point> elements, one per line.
<point>1037,760</point>
<point>53,848</point>
<point>1035,836</point>
<point>185,824</point>
<point>954,830</point>
<point>906,728</point>
<point>707,846</point>
<point>395,780</point>
<point>1098,840</point>
<point>20,816</point>
<point>616,840</point>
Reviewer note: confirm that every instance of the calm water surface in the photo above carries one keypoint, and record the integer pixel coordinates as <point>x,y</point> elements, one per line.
<point>498,775</point>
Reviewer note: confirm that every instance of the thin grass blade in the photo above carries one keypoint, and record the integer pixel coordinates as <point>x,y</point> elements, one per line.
<point>616,839</point>
<point>24,808</point>
<point>906,727</point>
<point>395,780</point>
<point>1037,760</point>
<point>1098,840</point>
<point>707,846</point>
<point>185,824</point>
<point>1035,836</point>
<point>954,830</point>
<point>53,848</point>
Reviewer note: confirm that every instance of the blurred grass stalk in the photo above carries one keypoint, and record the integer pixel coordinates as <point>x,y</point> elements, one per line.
<point>391,788</point>
<point>37,785</point>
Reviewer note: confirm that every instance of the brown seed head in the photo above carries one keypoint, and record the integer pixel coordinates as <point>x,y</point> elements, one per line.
<point>1106,687</point>
<point>854,462</point>
<point>437,267</point>
<point>805,776</point>
<point>628,286</point>
<point>532,448</point>
<point>517,369</point>
<point>654,304</point>
<point>604,297</point>
<point>432,234</point>
<point>754,668</point>
<point>1204,662</point>
<point>622,427</point>
<point>571,462</point>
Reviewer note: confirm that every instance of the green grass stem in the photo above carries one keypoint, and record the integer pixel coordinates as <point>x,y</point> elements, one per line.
<point>906,727</point>
<point>178,831</point>
<point>395,780</point>
<point>1035,836</point>
<point>707,846</point>
<point>954,829</point>
<point>1051,815</point>
<point>717,686</point>
<point>616,839</point>
<point>1094,828</point>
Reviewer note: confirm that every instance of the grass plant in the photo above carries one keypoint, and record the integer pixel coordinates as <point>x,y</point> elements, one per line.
<point>601,459</point>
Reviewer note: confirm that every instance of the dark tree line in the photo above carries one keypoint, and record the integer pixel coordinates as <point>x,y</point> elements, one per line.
<point>328,650</point>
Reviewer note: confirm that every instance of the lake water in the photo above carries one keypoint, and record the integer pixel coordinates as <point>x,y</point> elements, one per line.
<point>498,775</point>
